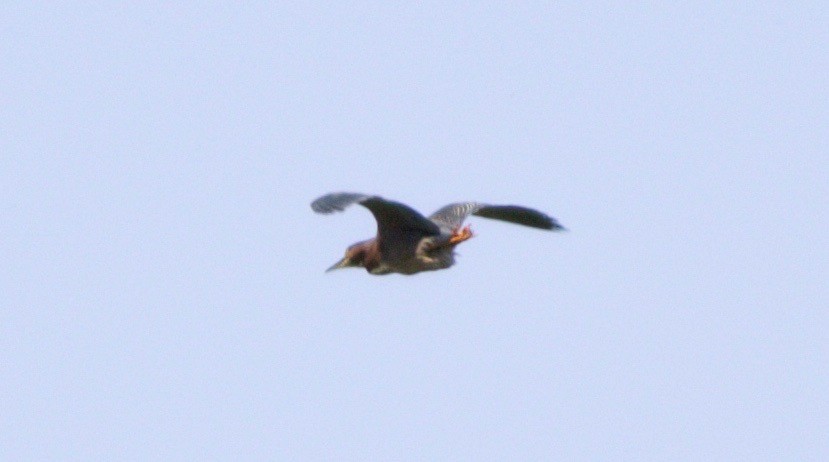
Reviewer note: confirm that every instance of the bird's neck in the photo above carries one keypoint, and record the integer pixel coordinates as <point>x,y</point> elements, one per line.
<point>371,258</point>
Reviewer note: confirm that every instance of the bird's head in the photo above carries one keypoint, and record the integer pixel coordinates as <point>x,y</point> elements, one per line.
<point>356,256</point>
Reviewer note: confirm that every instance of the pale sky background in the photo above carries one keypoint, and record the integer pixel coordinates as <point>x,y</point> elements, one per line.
<point>163,294</point>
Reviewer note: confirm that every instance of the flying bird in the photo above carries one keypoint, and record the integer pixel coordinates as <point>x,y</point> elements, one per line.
<point>408,243</point>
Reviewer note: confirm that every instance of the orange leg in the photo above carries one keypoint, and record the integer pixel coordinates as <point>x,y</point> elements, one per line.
<point>461,235</point>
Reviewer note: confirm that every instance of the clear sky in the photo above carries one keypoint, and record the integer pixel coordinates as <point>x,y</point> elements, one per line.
<point>163,294</point>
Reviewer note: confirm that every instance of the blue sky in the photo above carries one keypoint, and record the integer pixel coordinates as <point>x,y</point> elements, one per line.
<point>163,293</point>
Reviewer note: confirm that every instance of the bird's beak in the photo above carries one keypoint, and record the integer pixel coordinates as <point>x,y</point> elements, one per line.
<point>344,263</point>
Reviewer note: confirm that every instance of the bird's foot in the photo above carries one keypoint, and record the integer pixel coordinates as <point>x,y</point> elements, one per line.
<point>460,235</point>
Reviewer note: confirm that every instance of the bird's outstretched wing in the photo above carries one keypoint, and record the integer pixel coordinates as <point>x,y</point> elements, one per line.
<point>392,217</point>
<point>453,215</point>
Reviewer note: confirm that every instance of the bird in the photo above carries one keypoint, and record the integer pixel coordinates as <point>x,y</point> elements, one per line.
<point>409,243</point>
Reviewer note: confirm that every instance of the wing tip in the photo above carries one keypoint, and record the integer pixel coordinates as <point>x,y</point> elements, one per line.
<point>336,202</point>
<point>322,206</point>
<point>556,226</point>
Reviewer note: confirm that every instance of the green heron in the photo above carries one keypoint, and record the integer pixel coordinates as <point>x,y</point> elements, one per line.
<point>408,243</point>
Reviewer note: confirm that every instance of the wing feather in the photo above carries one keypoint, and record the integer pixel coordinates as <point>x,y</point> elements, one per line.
<point>453,215</point>
<point>392,217</point>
